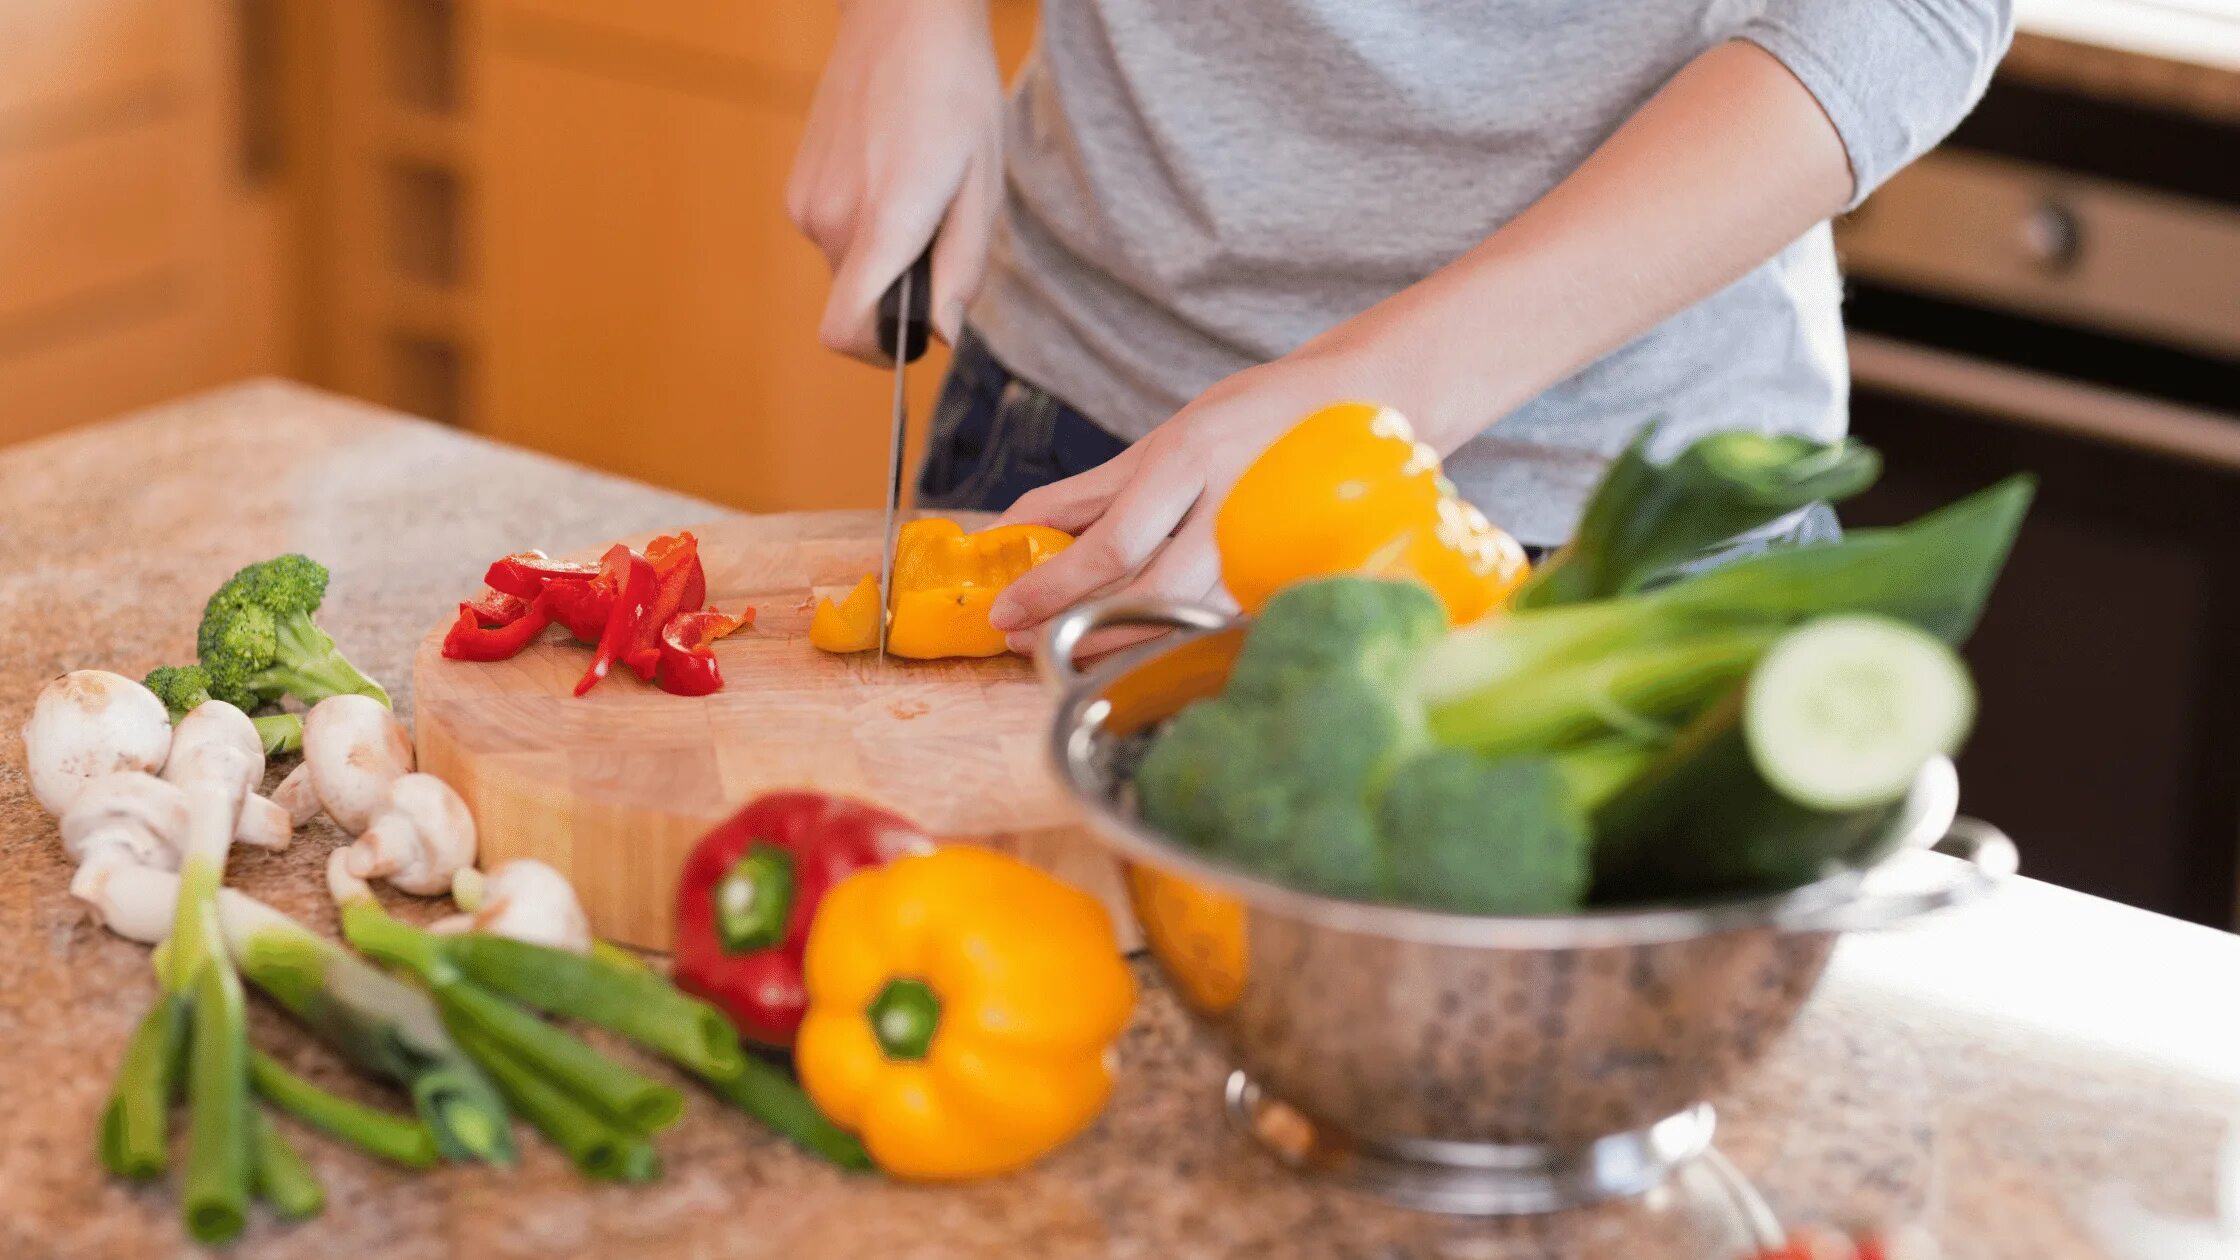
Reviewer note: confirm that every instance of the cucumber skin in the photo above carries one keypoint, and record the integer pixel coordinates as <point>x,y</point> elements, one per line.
<point>1701,822</point>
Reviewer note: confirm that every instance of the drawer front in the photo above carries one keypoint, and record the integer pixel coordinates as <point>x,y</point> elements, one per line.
<point>89,217</point>
<point>58,56</point>
<point>2055,246</point>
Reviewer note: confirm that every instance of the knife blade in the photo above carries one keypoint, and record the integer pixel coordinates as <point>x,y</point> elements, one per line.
<point>903,327</point>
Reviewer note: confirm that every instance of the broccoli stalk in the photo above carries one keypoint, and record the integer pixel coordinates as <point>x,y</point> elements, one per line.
<point>259,643</point>
<point>182,687</point>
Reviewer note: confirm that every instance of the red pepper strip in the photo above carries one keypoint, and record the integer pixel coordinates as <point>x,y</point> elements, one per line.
<point>749,893</point>
<point>525,573</point>
<point>583,607</point>
<point>470,640</point>
<point>496,608</point>
<point>676,561</point>
<point>664,551</point>
<point>633,581</point>
<point>688,663</point>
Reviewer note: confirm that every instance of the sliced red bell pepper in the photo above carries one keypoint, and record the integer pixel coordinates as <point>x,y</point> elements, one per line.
<point>582,607</point>
<point>470,640</point>
<point>750,889</point>
<point>525,573</point>
<point>496,608</point>
<point>676,563</point>
<point>632,577</point>
<point>688,662</point>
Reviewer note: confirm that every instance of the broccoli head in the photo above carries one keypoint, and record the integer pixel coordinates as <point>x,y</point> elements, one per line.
<point>1279,773</point>
<point>259,643</point>
<point>183,687</point>
<point>1473,836</point>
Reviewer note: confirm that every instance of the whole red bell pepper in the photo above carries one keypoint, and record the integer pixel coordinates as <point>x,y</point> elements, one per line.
<point>632,577</point>
<point>525,573</point>
<point>470,640</point>
<point>688,659</point>
<point>677,572</point>
<point>750,889</point>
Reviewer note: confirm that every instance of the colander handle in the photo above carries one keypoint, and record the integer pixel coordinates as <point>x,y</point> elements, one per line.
<point>1988,858</point>
<point>1063,636</point>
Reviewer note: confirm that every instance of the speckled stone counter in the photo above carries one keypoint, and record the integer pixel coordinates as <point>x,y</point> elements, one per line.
<point>1984,1076</point>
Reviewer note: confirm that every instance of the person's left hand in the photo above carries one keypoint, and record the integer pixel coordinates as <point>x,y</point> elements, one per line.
<point>1145,517</point>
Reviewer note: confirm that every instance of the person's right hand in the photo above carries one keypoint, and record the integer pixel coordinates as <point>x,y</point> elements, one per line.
<point>905,135</point>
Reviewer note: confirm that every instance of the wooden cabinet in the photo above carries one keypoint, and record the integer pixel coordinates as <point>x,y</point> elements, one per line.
<point>124,223</point>
<point>642,302</point>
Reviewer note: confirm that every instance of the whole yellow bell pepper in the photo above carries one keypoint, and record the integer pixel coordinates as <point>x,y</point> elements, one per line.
<point>1350,490</point>
<point>945,580</point>
<point>962,1010</point>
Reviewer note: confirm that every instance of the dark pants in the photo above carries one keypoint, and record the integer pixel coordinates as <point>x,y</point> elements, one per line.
<point>995,437</point>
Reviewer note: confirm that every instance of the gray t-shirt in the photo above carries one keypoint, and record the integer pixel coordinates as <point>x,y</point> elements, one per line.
<point>1196,186</point>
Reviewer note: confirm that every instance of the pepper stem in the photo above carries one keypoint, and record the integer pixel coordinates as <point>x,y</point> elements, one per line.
<point>754,900</point>
<point>904,1018</point>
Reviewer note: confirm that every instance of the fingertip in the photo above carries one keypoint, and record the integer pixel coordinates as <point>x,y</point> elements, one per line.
<point>1007,614</point>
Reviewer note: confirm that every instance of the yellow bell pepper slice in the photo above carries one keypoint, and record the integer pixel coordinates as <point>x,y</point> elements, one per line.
<point>1349,490</point>
<point>962,1012</point>
<point>945,580</point>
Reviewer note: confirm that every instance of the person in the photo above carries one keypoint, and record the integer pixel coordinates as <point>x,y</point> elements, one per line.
<point>1531,226</point>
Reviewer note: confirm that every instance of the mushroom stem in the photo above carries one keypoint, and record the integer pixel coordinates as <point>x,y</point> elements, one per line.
<point>419,839</point>
<point>296,795</point>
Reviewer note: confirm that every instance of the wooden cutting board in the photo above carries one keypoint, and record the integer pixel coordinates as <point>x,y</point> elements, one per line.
<point>614,787</point>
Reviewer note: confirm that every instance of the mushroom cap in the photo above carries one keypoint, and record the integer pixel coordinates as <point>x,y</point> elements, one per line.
<point>89,723</point>
<point>421,837</point>
<point>356,748</point>
<point>531,901</point>
<point>213,722</point>
<point>131,812</point>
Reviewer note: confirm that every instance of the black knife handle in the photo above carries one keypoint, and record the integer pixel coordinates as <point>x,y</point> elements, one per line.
<point>921,307</point>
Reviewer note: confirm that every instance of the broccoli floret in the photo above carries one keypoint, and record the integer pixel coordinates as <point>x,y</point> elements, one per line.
<point>259,643</point>
<point>1280,773</point>
<point>183,687</point>
<point>1484,837</point>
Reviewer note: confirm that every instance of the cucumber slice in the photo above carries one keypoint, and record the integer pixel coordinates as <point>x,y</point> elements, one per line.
<point>1842,713</point>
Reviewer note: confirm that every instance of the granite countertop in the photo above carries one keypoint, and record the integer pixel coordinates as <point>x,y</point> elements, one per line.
<point>1982,1076</point>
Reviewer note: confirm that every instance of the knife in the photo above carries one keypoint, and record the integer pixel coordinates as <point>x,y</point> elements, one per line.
<point>904,322</point>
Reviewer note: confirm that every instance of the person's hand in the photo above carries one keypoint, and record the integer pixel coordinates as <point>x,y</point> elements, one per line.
<point>905,134</point>
<point>1145,518</point>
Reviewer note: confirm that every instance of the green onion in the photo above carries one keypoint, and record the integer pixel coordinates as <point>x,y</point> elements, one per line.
<point>622,1096</point>
<point>218,1170</point>
<point>1623,693</point>
<point>377,1133</point>
<point>628,999</point>
<point>135,1125</point>
<point>378,1022</point>
<point>283,1179</point>
<point>771,1096</point>
<point>598,1147</point>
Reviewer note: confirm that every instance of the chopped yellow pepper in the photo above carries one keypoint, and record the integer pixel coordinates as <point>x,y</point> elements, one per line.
<point>945,580</point>
<point>1350,490</point>
<point>962,1010</point>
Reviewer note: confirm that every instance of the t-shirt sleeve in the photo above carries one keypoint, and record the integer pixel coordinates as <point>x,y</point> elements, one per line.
<point>1894,76</point>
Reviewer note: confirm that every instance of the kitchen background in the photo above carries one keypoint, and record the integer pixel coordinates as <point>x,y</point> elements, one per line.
<point>558,223</point>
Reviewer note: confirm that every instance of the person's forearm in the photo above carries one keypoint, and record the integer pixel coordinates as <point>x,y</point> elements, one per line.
<point>1728,163</point>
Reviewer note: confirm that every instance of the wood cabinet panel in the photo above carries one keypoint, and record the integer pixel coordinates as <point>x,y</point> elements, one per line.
<point>89,216</point>
<point>647,306</point>
<point>57,55</point>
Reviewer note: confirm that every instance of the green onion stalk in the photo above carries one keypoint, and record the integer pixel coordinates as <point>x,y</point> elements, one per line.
<point>617,992</point>
<point>595,1109</point>
<point>382,1025</point>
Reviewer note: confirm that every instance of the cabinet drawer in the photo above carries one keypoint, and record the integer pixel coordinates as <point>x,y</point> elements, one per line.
<point>90,216</point>
<point>57,55</point>
<point>2056,246</point>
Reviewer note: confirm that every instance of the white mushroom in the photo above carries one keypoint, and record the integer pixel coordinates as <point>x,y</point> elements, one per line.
<point>215,774</point>
<point>297,795</point>
<point>134,901</point>
<point>89,723</point>
<point>262,823</point>
<point>355,748</point>
<point>419,839</point>
<point>130,816</point>
<point>524,899</point>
